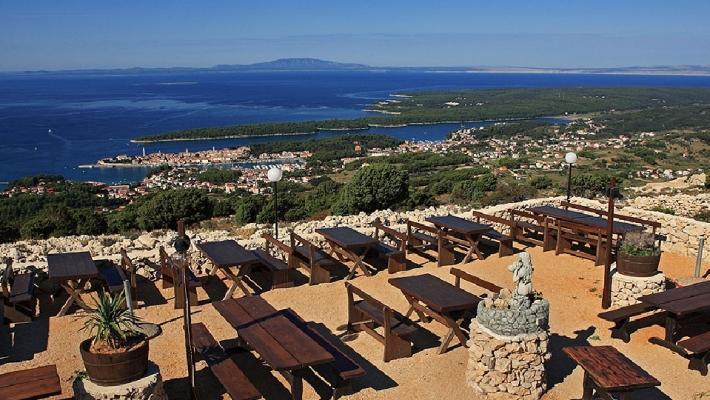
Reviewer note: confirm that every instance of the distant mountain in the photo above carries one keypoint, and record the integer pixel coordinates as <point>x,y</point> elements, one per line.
<point>294,64</point>
<point>315,64</point>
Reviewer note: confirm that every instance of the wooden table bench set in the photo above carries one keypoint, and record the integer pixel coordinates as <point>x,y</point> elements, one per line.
<point>685,312</point>
<point>285,342</point>
<point>429,297</point>
<point>573,229</point>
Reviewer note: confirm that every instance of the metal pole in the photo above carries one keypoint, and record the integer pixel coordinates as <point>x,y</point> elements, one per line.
<point>187,315</point>
<point>569,182</point>
<point>699,260</point>
<point>606,292</point>
<point>276,210</point>
<point>129,298</point>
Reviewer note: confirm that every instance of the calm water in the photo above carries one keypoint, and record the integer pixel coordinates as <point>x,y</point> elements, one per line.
<point>95,116</point>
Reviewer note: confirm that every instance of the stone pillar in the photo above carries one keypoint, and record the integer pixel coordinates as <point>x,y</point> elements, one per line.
<point>509,340</point>
<point>625,289</point>
<point>512,367</point>
<point>150,387</point>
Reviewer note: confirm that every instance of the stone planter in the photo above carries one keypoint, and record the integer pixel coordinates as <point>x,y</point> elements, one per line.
<point>147,387</point>
<point>529,318</point>
<point>638,265</point>
<point>625,289</point>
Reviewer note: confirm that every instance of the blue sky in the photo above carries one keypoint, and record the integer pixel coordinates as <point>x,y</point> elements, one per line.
<point>52,34</point>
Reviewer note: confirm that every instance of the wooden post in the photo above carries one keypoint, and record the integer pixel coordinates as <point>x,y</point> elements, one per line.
<point>182,244</point>
<point>606,292</point>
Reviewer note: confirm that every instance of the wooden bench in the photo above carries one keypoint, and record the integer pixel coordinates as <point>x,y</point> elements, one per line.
<point>130,270</point>
<point>304,254</point>
<point>609,373</point>
<point>396,256</point>
<point>459,274</point>
<point>621,317</point>
<point>367,314</point>
<point>338,373</point>
<point>503,242</point>
<point>227,372</point>
<point>168,271</point>
<point>529,228</point>
<point>699,348</point>
<point>34,383</point>
<point>111,275</point>
<point>654,225</point>
<point>421,237</point>
<point>19,303</point>
<point>279,271</point>
<point>569,233</point>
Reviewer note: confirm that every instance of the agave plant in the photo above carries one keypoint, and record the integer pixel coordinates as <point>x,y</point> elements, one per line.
<point>111,322</point>
<point>639,244</point>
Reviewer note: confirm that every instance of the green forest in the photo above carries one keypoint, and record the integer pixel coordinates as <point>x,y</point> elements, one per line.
<point>476,105</point>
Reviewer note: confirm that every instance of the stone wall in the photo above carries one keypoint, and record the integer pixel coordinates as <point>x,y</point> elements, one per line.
<point>683,233</point>
<point>511,367</point>
<point>625,290</point>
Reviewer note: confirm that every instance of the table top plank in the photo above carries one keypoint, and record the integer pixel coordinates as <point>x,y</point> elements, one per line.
<point>657,299</point>
<point>610,369</point>
<point>69,266</point>
<point>601,222</point>
<point>270,333</point>
<point>584,219</point>
<point>688,305</point>
<point>435,293</point>
<point>347,237</point>
<point>256,336</point>
<point>227,253</point>
<point>557,212</point>
<point>459,225</point>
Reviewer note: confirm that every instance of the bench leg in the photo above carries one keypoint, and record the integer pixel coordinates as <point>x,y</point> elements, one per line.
<point>446,254</point>
<point>621,330</point>
<point>341,388</point>
<point>396,263</point>
<point>505,248</point>
<point>700,363</point>
<point>319,275</point>
<point>13,314</point>
<point>281,279</point>
<point>295,380</point>
<point>587,387</point>
<point>396,347</point>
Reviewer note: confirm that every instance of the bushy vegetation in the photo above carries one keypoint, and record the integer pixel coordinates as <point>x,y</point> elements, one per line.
<point>218,176</point>
<point>476,105</point>
<point>375,187</point>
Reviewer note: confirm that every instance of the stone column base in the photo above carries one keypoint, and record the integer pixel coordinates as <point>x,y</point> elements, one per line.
<point>507,367</point>
<point>625,289</point>
<point>150,387</point>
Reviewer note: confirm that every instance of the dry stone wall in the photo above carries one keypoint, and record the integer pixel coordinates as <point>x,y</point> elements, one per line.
<point>682,233</point>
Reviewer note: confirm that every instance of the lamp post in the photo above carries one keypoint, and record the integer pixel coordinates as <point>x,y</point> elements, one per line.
<point>275,174</point>
<point>570,158</point>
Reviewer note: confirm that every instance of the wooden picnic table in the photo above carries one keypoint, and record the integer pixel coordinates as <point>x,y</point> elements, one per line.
<point>619,228</point>
<point>461,231</point>
<point>679,303</point>
<point>284,346</point>
<point>608,372</point>
<point>348,244</point>
<point>224,255</point>
<point>431,297</point>
<point>72,271</point>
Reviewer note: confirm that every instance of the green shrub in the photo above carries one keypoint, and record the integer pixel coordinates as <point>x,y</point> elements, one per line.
<point>375,187</point>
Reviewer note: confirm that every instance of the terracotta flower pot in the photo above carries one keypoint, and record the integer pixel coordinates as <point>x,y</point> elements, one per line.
<point>112,369</point>
<point>641,266</point>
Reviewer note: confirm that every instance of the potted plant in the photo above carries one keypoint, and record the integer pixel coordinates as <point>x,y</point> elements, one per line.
<point>638,255</point>
<point>117,352</point>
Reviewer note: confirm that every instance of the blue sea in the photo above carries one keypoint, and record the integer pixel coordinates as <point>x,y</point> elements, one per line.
<point>52,123</point>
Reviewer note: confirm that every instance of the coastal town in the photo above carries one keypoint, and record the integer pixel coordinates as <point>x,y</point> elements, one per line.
<point>531,155</point>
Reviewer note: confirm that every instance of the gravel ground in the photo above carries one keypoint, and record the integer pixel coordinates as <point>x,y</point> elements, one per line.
<point>572,285</point>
